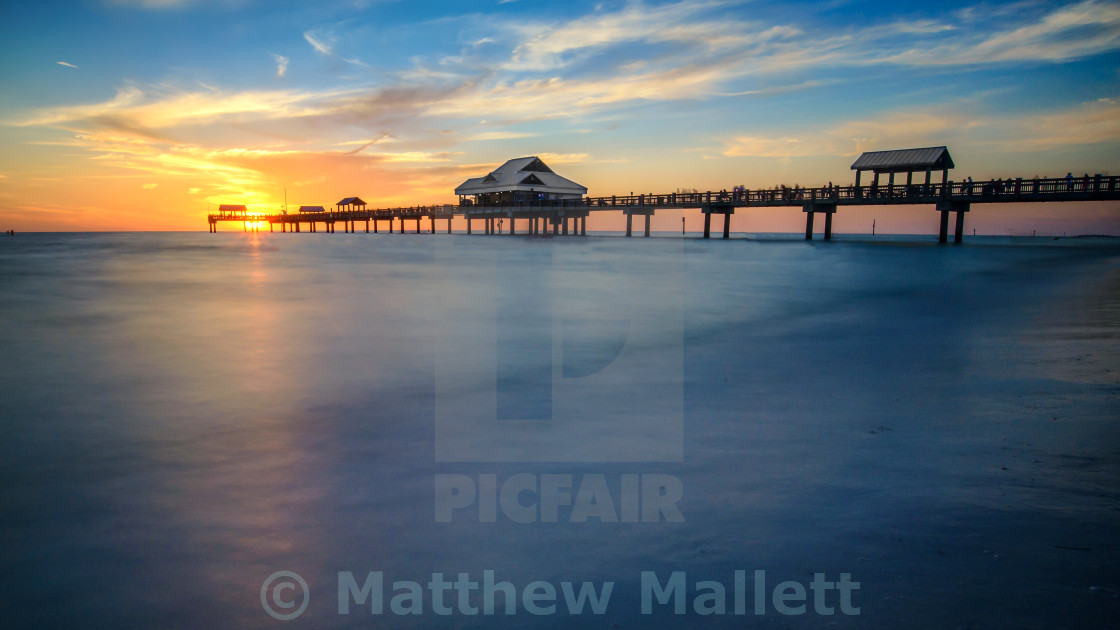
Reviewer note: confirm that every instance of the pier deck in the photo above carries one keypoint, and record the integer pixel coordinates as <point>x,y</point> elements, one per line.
<point>555,216</point>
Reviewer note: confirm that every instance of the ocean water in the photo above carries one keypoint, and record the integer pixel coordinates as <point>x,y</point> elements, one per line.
<point>183,416</point>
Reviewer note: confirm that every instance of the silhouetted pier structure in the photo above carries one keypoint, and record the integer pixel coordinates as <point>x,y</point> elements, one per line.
<point>569,216</point>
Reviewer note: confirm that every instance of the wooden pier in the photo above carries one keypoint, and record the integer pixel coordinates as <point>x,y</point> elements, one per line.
<point>569,217</point>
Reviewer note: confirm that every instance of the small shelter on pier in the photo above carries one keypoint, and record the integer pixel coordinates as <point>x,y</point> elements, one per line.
<point>351,203</point>
<point>312,209</point>
<point>232,211</point>
<point>907,161</point>
<point>518,180</point>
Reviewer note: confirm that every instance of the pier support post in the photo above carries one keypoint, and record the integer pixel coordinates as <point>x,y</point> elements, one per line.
<point>512,226</point>
<point>367,226</point>
<point>417,225</point>
<point>468,224</point>
<point>721,207</point>
<point>448,225</point>
<point>583,225</point>
<point>811,208</point>
<point>564,230</point>
<point>648,217</point>
<point>556,228</point>
<point>629,224</point>
<point>945,207</point>
<point>959,207</point>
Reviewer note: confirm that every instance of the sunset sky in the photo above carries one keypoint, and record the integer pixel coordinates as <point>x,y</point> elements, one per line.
<point>145,114</point>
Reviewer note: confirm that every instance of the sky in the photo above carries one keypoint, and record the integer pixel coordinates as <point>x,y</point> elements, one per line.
<point>147,114</point>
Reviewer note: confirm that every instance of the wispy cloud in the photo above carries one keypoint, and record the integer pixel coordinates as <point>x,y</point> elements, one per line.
<point>153,108</point>
<point>67,64</point>
<point>1086,28</point>
<point>565,158</point>
<point>319,42</point>
<point>956,124</point>
<point>281,65</point>
<point>547,45</point>
<point>499,135</point>
<point>173,4</point>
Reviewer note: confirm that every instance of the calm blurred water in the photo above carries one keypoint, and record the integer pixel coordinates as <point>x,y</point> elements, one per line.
<point>185,414</point>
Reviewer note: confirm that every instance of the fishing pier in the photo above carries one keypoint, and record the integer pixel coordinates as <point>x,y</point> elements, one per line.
<point>526,191</point>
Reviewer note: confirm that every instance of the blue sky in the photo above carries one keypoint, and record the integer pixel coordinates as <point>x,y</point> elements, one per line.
<point>204,100</point>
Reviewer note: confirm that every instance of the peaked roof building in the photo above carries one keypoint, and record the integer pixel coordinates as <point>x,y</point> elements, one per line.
<point>520,179</point>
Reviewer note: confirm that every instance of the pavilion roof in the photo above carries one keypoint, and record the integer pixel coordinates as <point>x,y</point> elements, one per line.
<point>904,160</point>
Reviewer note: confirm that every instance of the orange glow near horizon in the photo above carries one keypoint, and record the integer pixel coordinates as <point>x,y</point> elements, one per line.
<point>109,200</point>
